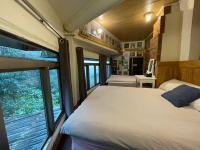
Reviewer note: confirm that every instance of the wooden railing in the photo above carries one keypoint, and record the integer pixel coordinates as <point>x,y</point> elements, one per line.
<point>28,131</point>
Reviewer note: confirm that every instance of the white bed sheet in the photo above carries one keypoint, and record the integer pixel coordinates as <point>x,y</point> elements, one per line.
<point>121,78</point>
<point>134,118</point>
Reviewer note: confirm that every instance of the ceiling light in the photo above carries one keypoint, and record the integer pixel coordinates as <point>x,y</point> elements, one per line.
<point>148,16</point>
<point>99,31</point>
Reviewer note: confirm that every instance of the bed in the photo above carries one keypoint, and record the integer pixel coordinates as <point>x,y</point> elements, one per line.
<point>132,118</point>
<point>121,80</point>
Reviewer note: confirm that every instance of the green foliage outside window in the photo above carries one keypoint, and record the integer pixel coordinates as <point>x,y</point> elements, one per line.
<point>20,93</point>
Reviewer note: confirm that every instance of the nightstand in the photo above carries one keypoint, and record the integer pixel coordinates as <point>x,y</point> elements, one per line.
<point>143,79</point>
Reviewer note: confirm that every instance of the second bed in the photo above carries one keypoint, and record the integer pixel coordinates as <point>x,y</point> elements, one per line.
<point>122,80</point>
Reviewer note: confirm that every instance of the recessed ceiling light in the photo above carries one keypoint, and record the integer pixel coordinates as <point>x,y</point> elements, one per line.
<point>148,16</point>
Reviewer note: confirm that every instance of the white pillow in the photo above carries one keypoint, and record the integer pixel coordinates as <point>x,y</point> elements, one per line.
<point>196,104</point>
<point>171,84</point>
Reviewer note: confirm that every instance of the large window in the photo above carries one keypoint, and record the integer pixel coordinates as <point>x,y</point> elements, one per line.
<point>23,109</point>
<point>30,97</point>
<point>91,72</point>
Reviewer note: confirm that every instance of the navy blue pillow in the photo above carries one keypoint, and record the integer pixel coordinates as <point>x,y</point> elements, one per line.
<point>182,95</point>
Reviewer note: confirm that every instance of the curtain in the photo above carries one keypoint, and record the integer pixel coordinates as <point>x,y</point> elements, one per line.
<point>102,61</point>
<point>81,74</point>
<point>65,76</point>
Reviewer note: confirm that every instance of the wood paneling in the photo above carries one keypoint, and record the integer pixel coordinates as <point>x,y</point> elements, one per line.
<point>188,71</point>
<point>158,30</point>
<point>127,21</point>
<point>166,71</point>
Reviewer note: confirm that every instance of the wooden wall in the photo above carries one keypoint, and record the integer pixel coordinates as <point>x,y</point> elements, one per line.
<point>188,71</point>
<point>158,30</point>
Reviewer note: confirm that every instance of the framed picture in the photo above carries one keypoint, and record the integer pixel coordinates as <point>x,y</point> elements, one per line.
<point>140,53</point>
<point>113,41</point>
<point>102,36</point>
<point>107,38</point>
<point>139,44</point>
<point>126,45</point>
<point>110,40</point>
<point>133,45</point>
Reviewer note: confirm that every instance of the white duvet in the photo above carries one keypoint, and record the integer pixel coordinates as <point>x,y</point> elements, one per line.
<point>134,118</point>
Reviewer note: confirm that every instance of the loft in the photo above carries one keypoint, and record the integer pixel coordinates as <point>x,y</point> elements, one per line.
<point>99,75</point>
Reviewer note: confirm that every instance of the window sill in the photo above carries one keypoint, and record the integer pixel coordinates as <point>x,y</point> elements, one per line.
<point>92,89</point>
<point>54,140</point>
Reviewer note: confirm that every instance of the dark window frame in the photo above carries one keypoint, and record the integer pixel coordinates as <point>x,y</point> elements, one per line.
<point>87,73</point>
<point>11,64</point>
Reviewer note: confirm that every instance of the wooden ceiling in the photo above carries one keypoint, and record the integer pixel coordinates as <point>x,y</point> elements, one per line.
<point>127,22</point>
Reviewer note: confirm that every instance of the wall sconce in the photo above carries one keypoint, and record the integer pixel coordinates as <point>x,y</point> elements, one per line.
<point>148,16</point>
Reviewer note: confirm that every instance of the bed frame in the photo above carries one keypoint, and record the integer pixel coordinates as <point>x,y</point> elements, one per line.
<point>188,71</point>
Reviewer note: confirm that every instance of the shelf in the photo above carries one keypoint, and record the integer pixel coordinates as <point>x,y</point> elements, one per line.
<point>98,41</point>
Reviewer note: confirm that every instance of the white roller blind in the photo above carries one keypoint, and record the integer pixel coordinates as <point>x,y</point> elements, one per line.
<point>14,19</point>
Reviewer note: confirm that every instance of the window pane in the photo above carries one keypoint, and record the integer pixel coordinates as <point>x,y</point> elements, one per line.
<point>23,109</point>
<point>85,69</point>
<point>13,48</point>
<point>55,91</point>
<point>91,75</point>
<point>97,74</point>
<point>108,70</point>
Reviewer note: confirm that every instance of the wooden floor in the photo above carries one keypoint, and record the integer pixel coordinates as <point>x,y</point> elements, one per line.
<point>28,132</point>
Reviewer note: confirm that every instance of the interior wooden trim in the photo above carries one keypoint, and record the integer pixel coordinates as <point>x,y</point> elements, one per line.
<point>187,71</point>
<point>15,64</point>
<point>56,137</point>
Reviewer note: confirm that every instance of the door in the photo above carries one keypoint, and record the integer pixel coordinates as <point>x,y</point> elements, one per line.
<point>136,66</point>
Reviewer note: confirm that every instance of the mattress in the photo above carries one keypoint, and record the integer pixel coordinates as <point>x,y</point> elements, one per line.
<point>125,84</point>
<point>134,118</point>
<point>121,78</point>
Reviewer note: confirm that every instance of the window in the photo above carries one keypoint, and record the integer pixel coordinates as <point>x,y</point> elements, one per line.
<point>91,72</point>
<point>55,92</point>
<point>30,97</point>
<point>97,74</point>
<point>108,69</point>
<point>9,48</point>
<point>23,109</point>
<point>91,75</point>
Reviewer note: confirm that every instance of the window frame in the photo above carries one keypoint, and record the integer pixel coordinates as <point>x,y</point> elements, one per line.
<point>56,122</point>
<point>11,64</point>
<point>87,77</point>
